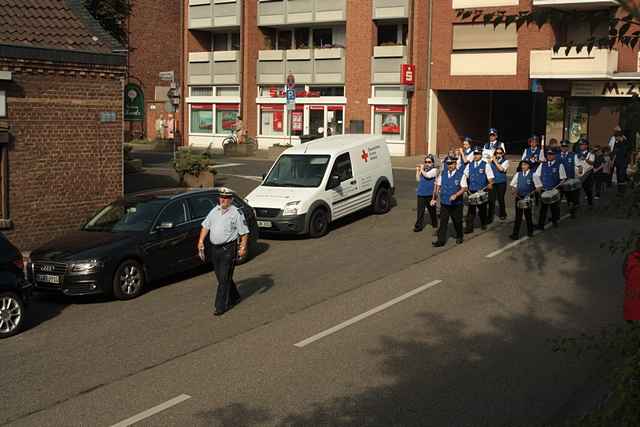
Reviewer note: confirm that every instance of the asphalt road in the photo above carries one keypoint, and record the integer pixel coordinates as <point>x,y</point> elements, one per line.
<point>435,337</point>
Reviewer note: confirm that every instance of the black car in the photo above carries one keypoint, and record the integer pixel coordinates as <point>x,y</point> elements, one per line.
<point>135,240</point>
<point>14,289</point>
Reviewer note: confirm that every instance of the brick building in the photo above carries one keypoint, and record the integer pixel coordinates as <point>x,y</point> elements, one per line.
<point>346,56</point>
<point>60,118</point>
<point>155,46</point>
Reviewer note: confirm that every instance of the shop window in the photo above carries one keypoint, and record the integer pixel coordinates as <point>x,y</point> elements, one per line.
<point>201,91</point>
<point>297,122</point>
<point>389,121</point>
<point>576,121</point>
<point>322,37</point>
<point>271,120</point>
<point>335,121</point>
<point>555,118</point>
<point>201,118</point>
<point>226,118</point>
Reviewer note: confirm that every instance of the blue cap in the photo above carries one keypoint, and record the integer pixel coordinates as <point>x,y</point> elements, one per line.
<point>493,131</point>
<point>550,151</point>
<point>564,143</point>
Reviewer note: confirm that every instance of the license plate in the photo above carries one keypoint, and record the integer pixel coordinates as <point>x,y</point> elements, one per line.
<point>264,224</point>
<point>48,278</point>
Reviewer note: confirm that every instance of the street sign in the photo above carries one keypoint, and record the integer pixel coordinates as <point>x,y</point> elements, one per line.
<point>291,99</point>
<point>167,76</point>
<point>107,116</point>
<point>133,103</point>
<point>291,81</point>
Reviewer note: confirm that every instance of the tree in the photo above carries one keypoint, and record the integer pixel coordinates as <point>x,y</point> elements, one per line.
<point>112,15</point>
<point>624,25</point>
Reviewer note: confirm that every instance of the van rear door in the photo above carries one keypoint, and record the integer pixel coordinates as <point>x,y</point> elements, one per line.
<point>343,197</point>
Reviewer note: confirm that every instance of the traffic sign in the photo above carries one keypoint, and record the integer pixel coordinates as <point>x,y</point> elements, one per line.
<point>291,99</point>
<point>167,76</point>
<point>291,81</point>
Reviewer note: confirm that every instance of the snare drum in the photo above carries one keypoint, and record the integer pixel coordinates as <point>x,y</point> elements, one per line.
<point>525,203</point>
<point>479,198</point>
<point>572,184</point>
<point>550,197</point>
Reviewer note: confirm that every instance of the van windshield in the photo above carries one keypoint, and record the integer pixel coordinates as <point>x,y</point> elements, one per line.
<point>297,170</point>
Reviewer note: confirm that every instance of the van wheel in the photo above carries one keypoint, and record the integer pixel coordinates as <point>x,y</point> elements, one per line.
<point>319,223</point>
<point>128,282</point>
<point>382,201</point>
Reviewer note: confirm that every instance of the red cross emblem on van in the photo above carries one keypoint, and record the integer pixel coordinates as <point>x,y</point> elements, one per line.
<point>365,156</point>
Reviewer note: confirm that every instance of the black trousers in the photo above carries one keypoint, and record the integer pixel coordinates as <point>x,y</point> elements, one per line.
<point>587,186</point>
<point>528,216</point>
<point>497,194</point>
<point>600,181</point>
<point>621,172</point>
<point>425,202</point>
<point>224,262</point>
<point>455,213</point>
<point>471,214</point>
<point>555,213</point>
<point>573,198</point>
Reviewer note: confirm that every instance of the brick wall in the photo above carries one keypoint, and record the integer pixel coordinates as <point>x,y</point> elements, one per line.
<point>63,163</point>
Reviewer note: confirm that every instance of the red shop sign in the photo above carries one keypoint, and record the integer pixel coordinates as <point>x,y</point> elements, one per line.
<point>272,107</point>
<point>232,107</point>
<point>389,109</point>
<point>408,74</point>
<point>316,107</point>
<point>201,107</point>
<point>335,107</point>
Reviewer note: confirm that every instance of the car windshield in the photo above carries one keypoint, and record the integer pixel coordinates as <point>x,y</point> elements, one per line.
<point>126,216</point>
<point>300,170</point>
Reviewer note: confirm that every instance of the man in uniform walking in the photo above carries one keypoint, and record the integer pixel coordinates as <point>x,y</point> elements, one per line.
<point>450,187</point>
<point>225,225</point>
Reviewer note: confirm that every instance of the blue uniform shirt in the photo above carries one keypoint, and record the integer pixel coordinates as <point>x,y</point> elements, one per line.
<point>568,160</point>
<point>426,185</point>
<point>499,177</point>
<point>477,175</point>
<point>449,185</point>
<point>225,226</point>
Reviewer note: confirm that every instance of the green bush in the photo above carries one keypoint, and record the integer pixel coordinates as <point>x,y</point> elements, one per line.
<point>189,163</point>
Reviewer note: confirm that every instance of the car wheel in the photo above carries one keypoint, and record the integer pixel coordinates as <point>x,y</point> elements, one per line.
<point>11,314</point>
<point>319,223</point>
<point>382,201</point>
<point>128,282</point>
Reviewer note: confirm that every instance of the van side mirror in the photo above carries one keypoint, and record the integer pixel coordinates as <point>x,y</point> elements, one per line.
<point>334,181</point>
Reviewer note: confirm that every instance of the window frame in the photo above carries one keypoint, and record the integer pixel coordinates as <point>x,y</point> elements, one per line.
<point>336,164</point>
<point>185,209</point>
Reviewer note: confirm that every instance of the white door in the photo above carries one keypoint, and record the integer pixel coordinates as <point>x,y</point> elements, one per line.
<point>344,198</point>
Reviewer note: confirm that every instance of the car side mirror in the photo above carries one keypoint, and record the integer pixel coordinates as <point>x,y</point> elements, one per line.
<point>334,181</point>
<point>165,226</point>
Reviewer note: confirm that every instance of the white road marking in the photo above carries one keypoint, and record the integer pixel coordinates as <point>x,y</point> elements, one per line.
<point>366,314</point>
<point>523,239</point>
<point>150,412</point>
<point>227,165</point>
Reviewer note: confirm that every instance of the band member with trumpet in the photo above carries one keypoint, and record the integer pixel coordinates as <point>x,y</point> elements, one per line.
<point>584,167</point>
<point>547,178</point>
<point>569,160</point>
<point>499,167</point>
<point>523,187</point>
<point>533,153</point>
<point>426,175</point>
<point>491,146</point>
<point>480,177</point>
<point>450,187</point>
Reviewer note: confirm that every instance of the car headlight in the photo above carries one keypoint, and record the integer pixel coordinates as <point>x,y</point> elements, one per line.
<point>291,209</point>
<point>85,267</point>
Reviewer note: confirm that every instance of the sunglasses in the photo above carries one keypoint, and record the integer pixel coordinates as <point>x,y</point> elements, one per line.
<point>428,161</point>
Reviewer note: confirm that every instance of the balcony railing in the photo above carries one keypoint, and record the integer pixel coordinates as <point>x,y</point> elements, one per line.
<point>576,4</point>
<point>283,12</point>
<point>211,14</point>
<point>211,68</point>
<point>310,66</point>
<point>390,9</point>
<point>599,63</point>
<point>386,63</point>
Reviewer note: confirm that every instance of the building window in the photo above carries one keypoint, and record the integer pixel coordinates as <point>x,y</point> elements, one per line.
<point>235,41</point>
<point>201,91</point>
<point>327,90</point>
<point>389,121</point>
<point>201,118</point>
<point>388,92</point>
<point>4,186</point>
<point>302,38</point>
<point>3,103</point>
<point>284,40</point>
<point>226,118</point>
<point>483,37</point>
<point>228,91</point>
<point>225,41</point>
<point>322,37</point>
<point>271,120</point>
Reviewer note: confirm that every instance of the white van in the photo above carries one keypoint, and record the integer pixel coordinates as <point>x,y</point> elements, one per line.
<point>313,184</point>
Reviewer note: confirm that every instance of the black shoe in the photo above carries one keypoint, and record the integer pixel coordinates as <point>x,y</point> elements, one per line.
<point>417,229</point>
<point>437,244</point>
<point>235,302</point>
<point>539,227</point>
<point>514,236</point>
<point>218,312</point>
<point>468,230</point>
<point>459,240</point>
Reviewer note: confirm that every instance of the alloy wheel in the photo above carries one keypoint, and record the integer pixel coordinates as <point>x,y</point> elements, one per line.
<point>10,314</point>
<point>130,280</point>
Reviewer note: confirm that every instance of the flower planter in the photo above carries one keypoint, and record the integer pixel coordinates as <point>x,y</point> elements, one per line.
<point>204,179</point>
<point>240,150</point>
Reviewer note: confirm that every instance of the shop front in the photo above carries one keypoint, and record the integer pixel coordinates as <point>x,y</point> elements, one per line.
<point>388,116</point>
<point>318,112</point>
<point>212,118</point>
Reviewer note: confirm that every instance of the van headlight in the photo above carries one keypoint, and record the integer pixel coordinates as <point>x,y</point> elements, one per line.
<point>85,267</point>
<point>291,208</point>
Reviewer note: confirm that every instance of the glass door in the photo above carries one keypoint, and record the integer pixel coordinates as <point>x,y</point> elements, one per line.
<point>316,121</point>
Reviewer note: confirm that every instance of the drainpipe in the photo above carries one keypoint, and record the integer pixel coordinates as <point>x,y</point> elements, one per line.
<point>410,29</point>
<point>241,76</point>
<point>429,60</point>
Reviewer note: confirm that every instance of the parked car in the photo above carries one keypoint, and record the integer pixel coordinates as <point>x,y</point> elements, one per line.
<point>135,240</point>
<point>313,184</point>
<point>14,289</point>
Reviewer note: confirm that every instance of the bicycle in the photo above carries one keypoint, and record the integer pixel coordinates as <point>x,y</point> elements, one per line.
<point>233,139</point>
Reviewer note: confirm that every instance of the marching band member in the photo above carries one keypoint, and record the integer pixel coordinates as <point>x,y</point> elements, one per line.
<point>480,177</point>
<point>490,147</point>
<point>450,187</point>
<point>426,176</point>
<point>569,160</point>
<point>584,167</point>
<point>533,153</point>
<point>499,167</point>
<point>467,151</point>
<point>547,177</point>
<point>523,185</point>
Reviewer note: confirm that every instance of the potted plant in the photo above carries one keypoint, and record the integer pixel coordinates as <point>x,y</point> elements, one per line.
<point>234,148</point>
<point>195,169</point>
<point>276,149</point>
